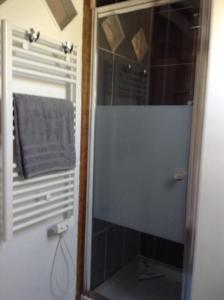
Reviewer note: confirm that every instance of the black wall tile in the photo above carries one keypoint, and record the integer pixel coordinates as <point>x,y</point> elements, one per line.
<point>182,35</point>
<point>99,226</point>
<point>170,253</point>
<point>98,259</point>
<point>162,250</point>
<point>178,87</point>
<point>132,244</point>
<point>148,245</point>
<point>159,37</point>
<point>115,249</point>
<point>156,85</point>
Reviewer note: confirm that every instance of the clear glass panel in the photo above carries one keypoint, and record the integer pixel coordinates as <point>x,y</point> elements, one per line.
<point>145,90</point>
<point>165,75</point>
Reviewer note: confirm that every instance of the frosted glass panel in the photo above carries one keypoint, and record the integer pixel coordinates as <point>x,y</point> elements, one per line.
<point>138,149</point>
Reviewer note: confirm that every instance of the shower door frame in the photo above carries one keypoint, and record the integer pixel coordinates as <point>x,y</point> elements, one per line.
<point>196,132</point>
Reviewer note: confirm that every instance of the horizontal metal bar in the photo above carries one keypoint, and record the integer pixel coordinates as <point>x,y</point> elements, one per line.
<point>33,55</point>
<point>48,205</point>
<point>42,218</point>
<point>130,6</point>
<point>17,61</point>
<point>63,201</point>
<point>19,72</point>
<point>42,40</point>
<point>38,212</point>
<point>44,202</point>
<point>18,190</point>
<point>42,178</point>
<point>40,46</point>
<point>42,194</point>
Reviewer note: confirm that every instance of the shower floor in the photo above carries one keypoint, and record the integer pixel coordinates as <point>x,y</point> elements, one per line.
<point>142,279</point>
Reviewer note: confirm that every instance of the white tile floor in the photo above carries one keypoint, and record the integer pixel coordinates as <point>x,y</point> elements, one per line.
<point>125,285</point>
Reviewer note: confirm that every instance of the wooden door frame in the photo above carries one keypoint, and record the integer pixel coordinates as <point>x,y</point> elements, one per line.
<point>86,67</point>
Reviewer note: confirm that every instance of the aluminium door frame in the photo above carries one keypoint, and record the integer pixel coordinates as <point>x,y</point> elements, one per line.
<point>196,133</point>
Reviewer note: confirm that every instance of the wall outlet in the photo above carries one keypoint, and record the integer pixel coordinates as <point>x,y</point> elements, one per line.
<point>63,226</point>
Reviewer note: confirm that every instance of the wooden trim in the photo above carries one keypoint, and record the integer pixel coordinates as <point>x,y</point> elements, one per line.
<point>86,59</point>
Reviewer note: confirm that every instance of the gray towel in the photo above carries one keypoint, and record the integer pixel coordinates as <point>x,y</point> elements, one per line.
<point>44,135</point>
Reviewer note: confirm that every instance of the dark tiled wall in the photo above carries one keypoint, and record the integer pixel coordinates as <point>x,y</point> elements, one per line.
<point>173,55</point>
<point>162,250</point>
<point>113,247</point>
<point>166,75</point>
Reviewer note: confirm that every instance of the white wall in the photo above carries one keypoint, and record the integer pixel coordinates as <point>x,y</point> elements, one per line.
<point>208,276</point>
<point>36,14</point>
<point>26,262</point>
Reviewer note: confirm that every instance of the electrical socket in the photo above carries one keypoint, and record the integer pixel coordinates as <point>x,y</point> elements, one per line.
<point>62,226</point>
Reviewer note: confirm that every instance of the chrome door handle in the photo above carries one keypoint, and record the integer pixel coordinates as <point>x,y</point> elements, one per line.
<point>179,176</point>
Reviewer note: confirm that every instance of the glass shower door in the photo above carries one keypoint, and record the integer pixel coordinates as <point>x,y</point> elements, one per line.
<point>141,168</point>
<point>145,89</point>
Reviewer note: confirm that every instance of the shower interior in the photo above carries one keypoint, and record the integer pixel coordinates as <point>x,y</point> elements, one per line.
<point>137,266</point>
<point>138,249</point>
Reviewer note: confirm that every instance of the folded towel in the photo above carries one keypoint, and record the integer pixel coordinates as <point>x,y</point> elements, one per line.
<point>44,135</point>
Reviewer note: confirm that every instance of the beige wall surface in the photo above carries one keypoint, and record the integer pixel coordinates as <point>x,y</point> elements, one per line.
<point>36,14</point>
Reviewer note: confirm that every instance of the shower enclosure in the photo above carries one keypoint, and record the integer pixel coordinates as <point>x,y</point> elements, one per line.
<point>144,77</point>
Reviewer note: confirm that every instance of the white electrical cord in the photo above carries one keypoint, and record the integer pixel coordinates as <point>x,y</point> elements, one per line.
<point>67,257</point>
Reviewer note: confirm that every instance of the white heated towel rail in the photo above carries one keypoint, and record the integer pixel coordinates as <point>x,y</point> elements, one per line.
<point>28,202</point>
